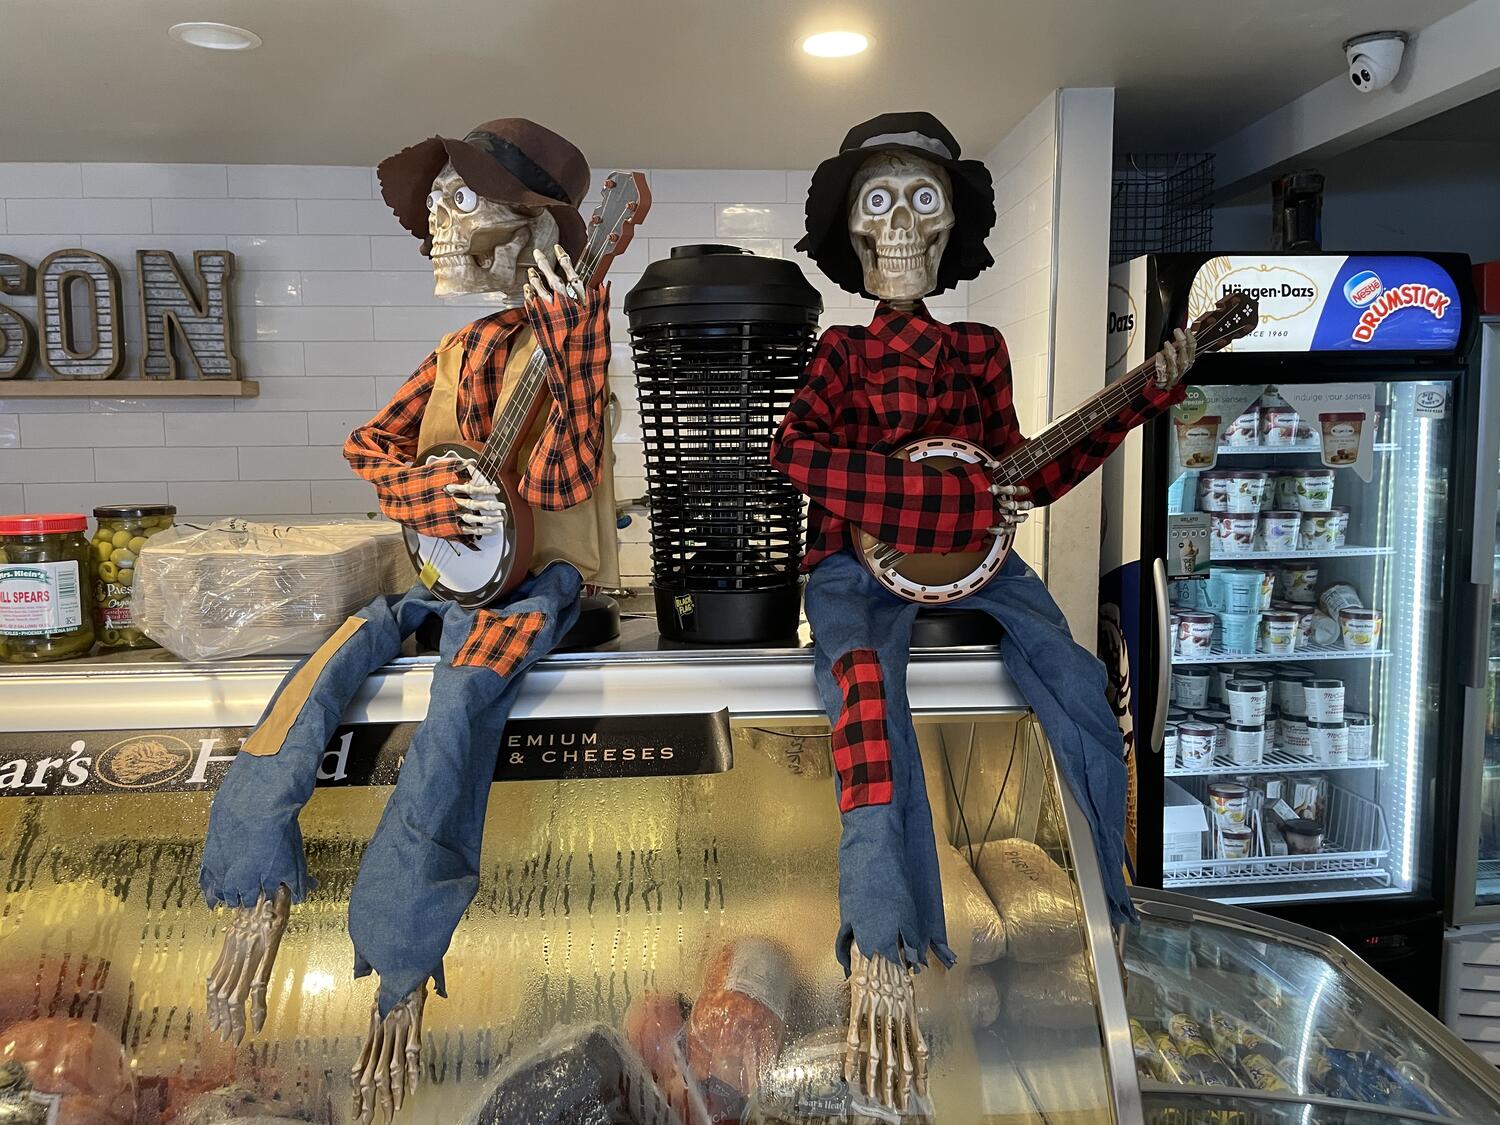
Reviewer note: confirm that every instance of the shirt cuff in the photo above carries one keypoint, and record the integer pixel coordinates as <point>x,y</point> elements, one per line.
<point>1158,398</point>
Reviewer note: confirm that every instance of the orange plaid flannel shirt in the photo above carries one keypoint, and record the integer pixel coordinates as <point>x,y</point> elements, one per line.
<point>564,466</point>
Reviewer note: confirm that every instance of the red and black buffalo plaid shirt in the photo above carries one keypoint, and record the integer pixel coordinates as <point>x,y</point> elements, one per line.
<point>564,466</point>
<point>871,390</point>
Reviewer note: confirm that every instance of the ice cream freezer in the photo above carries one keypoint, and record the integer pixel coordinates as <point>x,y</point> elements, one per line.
<point>657,913</point>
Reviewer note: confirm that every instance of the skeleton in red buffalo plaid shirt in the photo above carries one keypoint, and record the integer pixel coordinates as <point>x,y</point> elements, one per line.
<point>898,216</point>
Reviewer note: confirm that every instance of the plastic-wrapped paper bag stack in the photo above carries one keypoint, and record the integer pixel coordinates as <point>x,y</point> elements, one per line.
<point>237,588</point>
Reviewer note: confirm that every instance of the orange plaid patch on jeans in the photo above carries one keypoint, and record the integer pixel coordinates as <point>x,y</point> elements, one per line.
<point>500,641</point>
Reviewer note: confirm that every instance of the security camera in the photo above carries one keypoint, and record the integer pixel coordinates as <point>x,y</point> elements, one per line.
<point>1375,59</point>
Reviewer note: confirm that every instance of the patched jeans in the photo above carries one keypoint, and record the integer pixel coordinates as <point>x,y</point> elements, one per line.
<point>890,893</point>
<point>421,868</point>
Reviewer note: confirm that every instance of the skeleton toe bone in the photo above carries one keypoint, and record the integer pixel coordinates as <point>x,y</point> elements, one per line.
<point>885,1056</point>
<point>243,969</point>
<point>390,1060</point>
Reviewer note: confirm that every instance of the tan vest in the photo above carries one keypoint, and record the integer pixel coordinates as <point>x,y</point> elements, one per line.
<point>584,534</point>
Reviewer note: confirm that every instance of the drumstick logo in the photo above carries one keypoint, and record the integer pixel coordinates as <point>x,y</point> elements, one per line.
<point>1396,298</point>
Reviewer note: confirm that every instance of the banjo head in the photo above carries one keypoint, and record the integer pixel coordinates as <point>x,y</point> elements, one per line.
<point>472,574</point>
<point>930,578</point>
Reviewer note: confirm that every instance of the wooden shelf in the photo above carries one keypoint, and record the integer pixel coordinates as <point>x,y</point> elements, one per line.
<point>129,388</point>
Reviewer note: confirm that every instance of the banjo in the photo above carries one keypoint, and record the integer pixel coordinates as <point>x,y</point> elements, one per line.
<point>475,573</point>
<point>935,579</point>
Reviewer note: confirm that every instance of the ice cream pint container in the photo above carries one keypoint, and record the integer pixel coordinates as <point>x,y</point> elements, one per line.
<point>1361,629</point>
<point>1198,442</point>
<point>1341,437</point>
<point>1314,490</point>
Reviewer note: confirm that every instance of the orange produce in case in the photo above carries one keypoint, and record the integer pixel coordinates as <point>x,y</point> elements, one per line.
<point>653,1025</point>
<point>738,1024</point>
<point>79,1064</point>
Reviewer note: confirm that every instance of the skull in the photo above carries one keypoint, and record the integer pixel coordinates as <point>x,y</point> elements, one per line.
<point>900,216</point>
<point>477,243</point>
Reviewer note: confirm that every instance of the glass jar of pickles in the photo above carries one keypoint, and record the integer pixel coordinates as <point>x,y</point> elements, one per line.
<point>122,531</point>
<point>46,603</point>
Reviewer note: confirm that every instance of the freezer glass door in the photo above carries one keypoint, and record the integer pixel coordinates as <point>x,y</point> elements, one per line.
<point>1308,534</point>
<point>1232,1010</point>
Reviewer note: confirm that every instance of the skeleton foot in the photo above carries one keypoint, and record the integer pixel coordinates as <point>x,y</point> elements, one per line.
<point>390,1062</point>
<point>885,1056</point>
<point>243,968</point>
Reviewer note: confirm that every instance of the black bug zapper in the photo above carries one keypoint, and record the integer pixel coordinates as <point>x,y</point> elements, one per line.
<point>720,339</point>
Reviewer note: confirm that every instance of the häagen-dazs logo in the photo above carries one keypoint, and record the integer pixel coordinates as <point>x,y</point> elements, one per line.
<point>143,761</point>
<point>1120,332</point>
<point>1362,288</point>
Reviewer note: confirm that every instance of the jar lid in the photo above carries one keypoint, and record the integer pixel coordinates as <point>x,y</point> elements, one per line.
<point>133,511</point>
<point>1302,827</point>
<point>49,523</point>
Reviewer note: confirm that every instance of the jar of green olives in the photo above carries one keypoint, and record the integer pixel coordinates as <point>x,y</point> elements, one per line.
<point>46,603</point>
<point>122,531</point>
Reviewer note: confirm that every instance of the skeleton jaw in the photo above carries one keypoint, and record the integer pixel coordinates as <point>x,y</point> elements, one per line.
<point>459,268</point>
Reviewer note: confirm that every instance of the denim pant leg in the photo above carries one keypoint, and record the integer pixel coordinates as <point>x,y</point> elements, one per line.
<point>890,891</point>
<point>1068,688</point>
<point>421,870</point>
<point>254,843</point>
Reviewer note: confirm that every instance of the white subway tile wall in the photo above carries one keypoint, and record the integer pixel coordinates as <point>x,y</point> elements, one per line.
<point>334,309</point>
<point>1015,295</point>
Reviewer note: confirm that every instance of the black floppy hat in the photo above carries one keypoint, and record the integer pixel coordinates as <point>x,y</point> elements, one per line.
<point>827,239</point>
<point>509,160</point>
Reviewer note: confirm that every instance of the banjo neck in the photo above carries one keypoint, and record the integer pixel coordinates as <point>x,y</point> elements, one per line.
<point>1027,459</point>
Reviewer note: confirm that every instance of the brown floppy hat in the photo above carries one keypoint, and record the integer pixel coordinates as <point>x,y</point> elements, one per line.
<point>508,160</point>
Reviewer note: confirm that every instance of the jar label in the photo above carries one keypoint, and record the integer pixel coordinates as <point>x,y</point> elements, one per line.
<point>39,598</point>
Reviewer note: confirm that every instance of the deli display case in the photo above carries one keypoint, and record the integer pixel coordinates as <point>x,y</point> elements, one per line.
<point>661,838</point>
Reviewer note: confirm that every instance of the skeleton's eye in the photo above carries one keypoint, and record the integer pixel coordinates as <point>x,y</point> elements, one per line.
<point>465,199</point>
<point>926,199</point>
<point>877,201</point>
<point>432,199</point>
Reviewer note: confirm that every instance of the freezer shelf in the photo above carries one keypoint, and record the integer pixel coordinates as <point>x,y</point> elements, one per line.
<point>1219,655</point>
<point>1344,552</point>
<point>1300,447</point>
<point>1355,846</point>
<point>1278,760</point>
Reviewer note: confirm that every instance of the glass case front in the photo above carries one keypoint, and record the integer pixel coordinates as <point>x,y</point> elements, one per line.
<point>607,913</point>
<point>1239,1020</point>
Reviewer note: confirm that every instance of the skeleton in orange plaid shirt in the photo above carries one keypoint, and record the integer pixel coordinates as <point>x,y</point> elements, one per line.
<point>479,204</point>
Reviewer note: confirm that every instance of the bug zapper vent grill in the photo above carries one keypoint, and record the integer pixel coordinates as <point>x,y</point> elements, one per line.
<point>720,340</point>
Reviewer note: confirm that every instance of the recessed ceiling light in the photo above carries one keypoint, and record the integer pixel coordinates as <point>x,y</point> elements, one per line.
<point>835,44</point>
<point>215,36</point>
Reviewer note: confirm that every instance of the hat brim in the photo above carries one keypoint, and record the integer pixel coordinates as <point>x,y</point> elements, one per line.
<point>827,240</point>
<point>406,179</point>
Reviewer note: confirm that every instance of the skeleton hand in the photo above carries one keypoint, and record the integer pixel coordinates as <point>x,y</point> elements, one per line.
<point>1012,505</point>
<point>547,284</point>
<point>1175,357</point>
<point>244,966</point>
<point>885,1056</point>
<point>478,510</point>
<point>390,1062</point>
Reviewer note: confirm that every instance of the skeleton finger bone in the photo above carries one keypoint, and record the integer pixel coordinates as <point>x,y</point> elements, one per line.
<point>361,1076</point>
<point>857,986</point>
<point>575,284</point>
<point>222,983</point>
<point>417,1000</point>
<point>888,970</point>
<point>554,283</point>
<point>280,912</point>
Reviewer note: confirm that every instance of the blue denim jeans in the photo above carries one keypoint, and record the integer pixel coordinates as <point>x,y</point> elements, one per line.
<point>421,868</point>
<point>890,892</point>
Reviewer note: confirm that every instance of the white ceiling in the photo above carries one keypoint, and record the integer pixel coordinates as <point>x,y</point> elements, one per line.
<point>651,83</point>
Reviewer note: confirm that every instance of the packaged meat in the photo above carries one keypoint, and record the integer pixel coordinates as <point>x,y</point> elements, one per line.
<point>1035,899</point>
<point>981,999</point>
<point>1204,1067</point>
<point>1148,1062</point>
<point>81,1066</point>
<point>968,906</point>
<point>1174,1067</point>
<point>654,1025</point>
<point>576,1074</point>
<point>738,1023</point>
<point>807,1087</point>
<point>241,1104</point>
<point>1057,994</point>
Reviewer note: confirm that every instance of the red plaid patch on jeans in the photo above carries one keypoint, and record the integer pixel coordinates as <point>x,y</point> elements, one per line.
<point>861,750</point>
